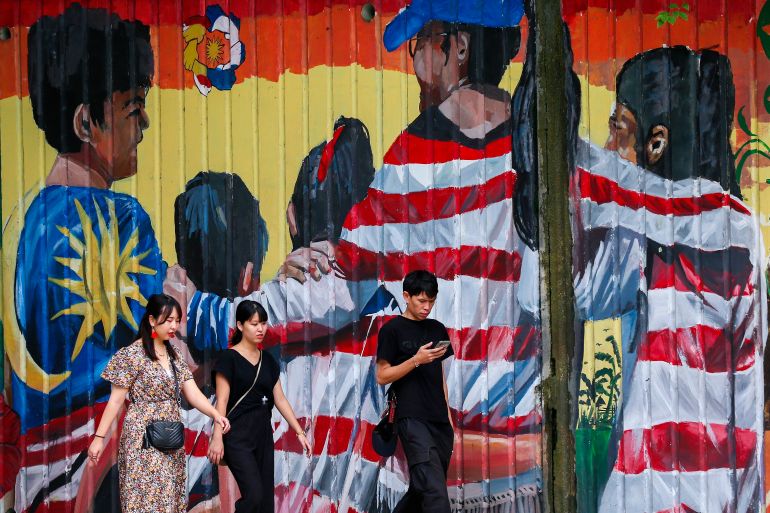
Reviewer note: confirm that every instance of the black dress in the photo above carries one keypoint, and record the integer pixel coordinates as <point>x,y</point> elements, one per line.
<point>249,444</point>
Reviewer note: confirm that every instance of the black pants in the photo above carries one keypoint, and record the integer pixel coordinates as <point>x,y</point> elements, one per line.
<point>428,447</point>
<point>249,454</point>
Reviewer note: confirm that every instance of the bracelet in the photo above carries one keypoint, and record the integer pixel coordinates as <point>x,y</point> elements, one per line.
<point>98,436</point>
<point>414,361</point>
<point>301,433</point>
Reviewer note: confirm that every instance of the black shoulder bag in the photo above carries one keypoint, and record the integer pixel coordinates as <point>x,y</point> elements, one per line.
<point>166,435</point>
<point>384,434</point>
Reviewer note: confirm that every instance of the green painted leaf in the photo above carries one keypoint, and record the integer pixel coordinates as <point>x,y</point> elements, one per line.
<point>683,15</point>
<point>660,23</point>
<point>763,28</point>
<point>766,99</point>
<point>673,6</point>
<point>743,124</point>
<point>686,7</point>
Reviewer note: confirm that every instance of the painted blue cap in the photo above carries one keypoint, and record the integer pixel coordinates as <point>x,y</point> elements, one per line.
<point>488,13</point>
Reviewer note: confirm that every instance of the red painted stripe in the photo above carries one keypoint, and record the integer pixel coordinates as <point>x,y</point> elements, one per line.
<point>685,447</point>
<point>728,279</point>
<point>55,507</point>
<point>446,263</point>
<point>331,436</point>
<point>698,347</point>
<point>493,344</point>
<point>603,190</point>
<point>511,426</point>
<point>413,149</point>
<point>379,208</point>
<point>62,426</point>
<point>153,12</point>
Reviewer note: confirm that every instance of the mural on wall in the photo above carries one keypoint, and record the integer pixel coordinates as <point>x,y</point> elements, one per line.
<point>347,152</point>
<point>669,262</point>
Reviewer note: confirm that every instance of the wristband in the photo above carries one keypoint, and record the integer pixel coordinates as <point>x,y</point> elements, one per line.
<point>98,436</point>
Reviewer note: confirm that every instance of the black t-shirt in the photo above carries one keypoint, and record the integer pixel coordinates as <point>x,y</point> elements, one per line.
<point>240,373</point>
<point>419,394</point>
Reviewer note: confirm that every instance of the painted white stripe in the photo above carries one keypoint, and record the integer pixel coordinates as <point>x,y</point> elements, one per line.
<point>333,385</point>
<point>465,302</point>
<point>496,384</point>
<point>670,309</point>
<point>405,178</point>
<point>661,392</point>
<point>609,164</point>
<point>489,227</point>
<point>651,491</point>
<point>32,479</point>
<point>714,230</point>
<point>329,475</point>
<point>469,302</point>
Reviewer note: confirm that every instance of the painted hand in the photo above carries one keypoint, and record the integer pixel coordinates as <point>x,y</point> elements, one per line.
<point>315,261</point>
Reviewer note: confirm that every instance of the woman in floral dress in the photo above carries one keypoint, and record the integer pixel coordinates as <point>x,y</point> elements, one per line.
<point>151,481</point>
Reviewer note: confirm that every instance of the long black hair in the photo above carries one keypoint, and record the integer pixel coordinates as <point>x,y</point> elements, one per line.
<point>245,311</point>
<point>160,307</point>
<point>524,131</point>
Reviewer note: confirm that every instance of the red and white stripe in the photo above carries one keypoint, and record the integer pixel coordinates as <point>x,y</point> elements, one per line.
<point>51,450</point>
<point>692,413</point>
<point>433,205</point>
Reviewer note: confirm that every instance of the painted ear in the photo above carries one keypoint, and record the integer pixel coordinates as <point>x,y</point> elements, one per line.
<point>657,143</point>
<point>81,123</point>
<point>463,39</point>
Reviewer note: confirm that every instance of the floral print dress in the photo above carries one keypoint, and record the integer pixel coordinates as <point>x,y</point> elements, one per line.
<point>151,481</point>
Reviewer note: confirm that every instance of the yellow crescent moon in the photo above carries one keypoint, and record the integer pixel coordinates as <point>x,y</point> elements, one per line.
<point>22,363</point>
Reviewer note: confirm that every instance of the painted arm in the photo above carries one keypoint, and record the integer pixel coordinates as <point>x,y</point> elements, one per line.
<point>201,403</point>
<point>288,413</point>
<point>216,447</point>
<point>111,411</point>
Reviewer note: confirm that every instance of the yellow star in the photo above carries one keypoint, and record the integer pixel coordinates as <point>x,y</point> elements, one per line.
<point>104,282</point>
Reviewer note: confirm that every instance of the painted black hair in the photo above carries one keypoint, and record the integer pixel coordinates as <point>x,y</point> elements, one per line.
<point>693,95</point>
<point>246,310</point>
<point>160,307</point>
<point>419,281</point>
<point>332,179</point>
<point>524,132</point>
<point>219,230</point>
<point>82,56</point>
<point>490,50</point>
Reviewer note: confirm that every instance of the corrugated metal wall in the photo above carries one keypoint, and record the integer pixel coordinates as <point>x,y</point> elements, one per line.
<point>281,152</point>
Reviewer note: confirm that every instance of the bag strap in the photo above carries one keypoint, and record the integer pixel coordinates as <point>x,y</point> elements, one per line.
<point>176,382</point>
<point>259,367</point>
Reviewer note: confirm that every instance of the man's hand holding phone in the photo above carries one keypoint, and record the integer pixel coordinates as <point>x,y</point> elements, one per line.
<point>430,352</point>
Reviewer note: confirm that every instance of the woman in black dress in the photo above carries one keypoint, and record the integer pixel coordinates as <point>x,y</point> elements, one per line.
<point>247,389</point>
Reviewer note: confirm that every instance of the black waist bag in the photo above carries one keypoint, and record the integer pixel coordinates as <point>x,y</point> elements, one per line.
<point>166,435</point>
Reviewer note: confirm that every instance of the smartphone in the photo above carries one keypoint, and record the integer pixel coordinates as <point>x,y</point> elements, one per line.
<point>441,344</point>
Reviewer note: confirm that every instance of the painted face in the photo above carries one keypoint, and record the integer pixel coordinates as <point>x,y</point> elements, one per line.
<point>622,138</point>
<point>436,72</point>
<point>419,306</point>
<point>167,328</point>
<point>253,330</point>
<point>115,143</point>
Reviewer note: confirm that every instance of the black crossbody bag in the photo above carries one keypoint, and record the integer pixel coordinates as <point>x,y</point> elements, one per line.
<point>166,435</point>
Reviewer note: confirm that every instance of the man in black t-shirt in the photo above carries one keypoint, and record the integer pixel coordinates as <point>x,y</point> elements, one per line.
<point>410,350</point>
